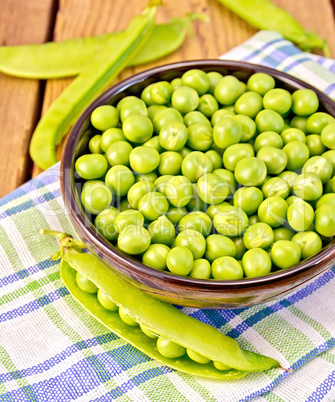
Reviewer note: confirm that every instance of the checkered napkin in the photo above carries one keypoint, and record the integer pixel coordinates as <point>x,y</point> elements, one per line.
<point>51,349</point>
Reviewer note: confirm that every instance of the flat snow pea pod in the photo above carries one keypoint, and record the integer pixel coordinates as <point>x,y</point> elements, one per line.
<point>91,82</point>
<point>263,14</point>
<point>157,316</point>
<point>69,58</point>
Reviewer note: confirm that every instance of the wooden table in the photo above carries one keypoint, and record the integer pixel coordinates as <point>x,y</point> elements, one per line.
<point>22,102</point>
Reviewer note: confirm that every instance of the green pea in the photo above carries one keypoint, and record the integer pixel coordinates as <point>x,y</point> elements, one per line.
<point>308,186</point>
<point>165,116</point>
<point>227,90</point>
<point>175,214</point>
<point>200,137</point>
<point>85,284</point>
<point>153,110</point>
<point>128,217</point>
<point>193,240</point>
<point>126,317</point>
<point>300,215</point>
<point>176,83</point>
<point>253,219</point>
<point>328,136</point>
<point>154,143</point>
<point>315,145</point>
<point>276,187</point>
<point>240,247</point>
<point>278,99</point>
<point>226,268</point>
<point>104,223</point>
<point>196,203</point>
<point>180,261</point>
<point>304,102</point>
<point>221,367</point>
<point>318,121</point>
<point>201,269</point>
<point>173,136</point>
<point>269,120</point>
<point>120,179</point>
<point>91,166</point>
<point>95,196</point>
<point>325,220</point>
<point>185,99</point>
<point>195,165</point>
<point>289,177</point>
<point>118,153</point>
<point>137,128</point>
<point>299,122</point>
<point>196,220</point>
<point>259,235</point>
<point>215,158</point>
<point>214,78</point>
<point>310,243</point>
<point>170,349</point>
<point>261,83</point>
<point>250,171</point>
<point>152,205</point>
<point>227,177</point>
<point>285,254</point>
<point>94,145</point>
<point>230,221</point>
<point>179,191</point>
<point>124,205</point>
<point>212,189</point>
<point>134,107</point>
<point>219,246</point>
<point>148,331</point>
<point>151,177</point>
<point>330,186</point>
<point>125,100</point>
<point>184,152</point>
<point>144,159</point>
<point>111,136</point>
<point>160,93</point>
<point>275,159</point>
<point>137,191</point>
<point>212,209</point>
<point>273,211</point>
<point>227,132</point>
<point>320,166</point>
<point>297,155</point>
<point>196,79</point>
<point>249,104</point>
<point>292,199</point>
<point>293,134</point>
<point>195,117</point>
<point>248,199</point>
<point>268,138</point>
<point>208,105</point>
<point>330,155</point>
<point>170,163</point>
<point>134,239</point>
<point>155,256</point>
<point>282,233</point>
<point>104,117</point>
<point>256,262</point>
<point>106,301</point>
<point>197,357</point>
<point>326,199</point>
<point>221,114</point>
<point>248,127</point>
<point>162,231</point>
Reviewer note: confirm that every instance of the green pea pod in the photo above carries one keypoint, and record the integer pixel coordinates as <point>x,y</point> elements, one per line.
<point>69,58</point>
<point>263,14</point>
<point>100,72</point>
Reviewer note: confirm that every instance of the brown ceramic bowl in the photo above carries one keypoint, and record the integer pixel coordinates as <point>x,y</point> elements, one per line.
<point>161,284</point>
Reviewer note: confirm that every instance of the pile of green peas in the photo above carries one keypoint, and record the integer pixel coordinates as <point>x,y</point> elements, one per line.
<point>212,177</point>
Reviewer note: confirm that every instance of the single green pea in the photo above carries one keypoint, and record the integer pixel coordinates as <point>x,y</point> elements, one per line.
<point>134,107</point>
<point>256,262</point>
<point>330,186</point>
<point>275,159</point>
<point>175,214</point>
<point>197,357</point>
<point>195,117</point>
<point>325,220</point>
<point>124,205</point>
<point>226,268</point>
<point>253,219</point>
<point>227,177</point>
<point>128,217</point>
<point>153,110</point>
<point>221,114</point>
<point>118,153</point>
<point>276,187</point>
<point>165,116</point>
<point>104,223</point>
<point>212,189</point>
<point>318,121</point>
<point>201,269</point>
<point>154,143</point>
<point>173,136</point>
<point>227,90</point>
<point>148,331</point>
<point>221,367</point>
<point>196,220</point>
<point>200,137</point>
<point>285,254</point>
<point>259,235</point>
<point>310,243</point>
<point>230,221</point>
<point>293,134</point>
<point>125,100</point>
<point>170,349</point>
<point>297,155</point>
<point>160,93</point>
<point>106,301</point>
<point>85,284</point>
<point>160,183</point>
<point>208,105</point>
<point>184,152</point>
<point>248,199</point>
<point>179,191</point>
<point>308,186</point>
<point>250,171</point>
<point>155,256</point>
<point>278,99</point>
<point>326,199</point>
<point>91,166</point>
<point>320,166</point>
<point>120,179</point>
<point>227,132</point>
<point>315,145</point>
<point>126,317</point>
<point>193,240</point>
<point>261,83</point>
<point>94,144</point>
<point>104,117</point>
<point>137,191</point>
<point>176,83</point>
<point>111,136</point>
<point>273,211</point>
<point>185,99</point>
<point>95,196</point>
<point>328,136</point>
<point>240,247</point>
<point>195,165</point>
<point>180,261</point>
<point>330,155</point>
<point>152,205</point>
<point>134,239</point>
<point>219,246</point>
<point>248,127</point>
<point>269,120</point>
<point>215,158</point>
<point>162,231</point>
<point>214,78</point>
<point>304,102</point>
<point>289,177</point>
<point>151,177</point>
<point>268,138</point>
<point>196,79</point>
<point>249,104</point>
<point>144,159</point>
<point>300,215</point>
<point>299,122</point>
<point>282,233</point>
<point>137,128</point>
<point>146,95</point>
<point>170,163</point>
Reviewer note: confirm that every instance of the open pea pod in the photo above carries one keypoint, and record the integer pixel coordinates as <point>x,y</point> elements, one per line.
<point>160,318</point>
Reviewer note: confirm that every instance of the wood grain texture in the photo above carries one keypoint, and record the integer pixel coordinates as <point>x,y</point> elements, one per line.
<point>21,22</point>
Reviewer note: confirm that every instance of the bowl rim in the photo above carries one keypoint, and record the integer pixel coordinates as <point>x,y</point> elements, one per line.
<point>86,228</point>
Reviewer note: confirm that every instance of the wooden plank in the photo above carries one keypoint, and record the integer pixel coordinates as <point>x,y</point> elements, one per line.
<point>21,22</point>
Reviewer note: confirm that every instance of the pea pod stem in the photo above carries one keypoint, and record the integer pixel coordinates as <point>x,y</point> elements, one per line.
<point>263,14</point>
<point>90,83</point>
